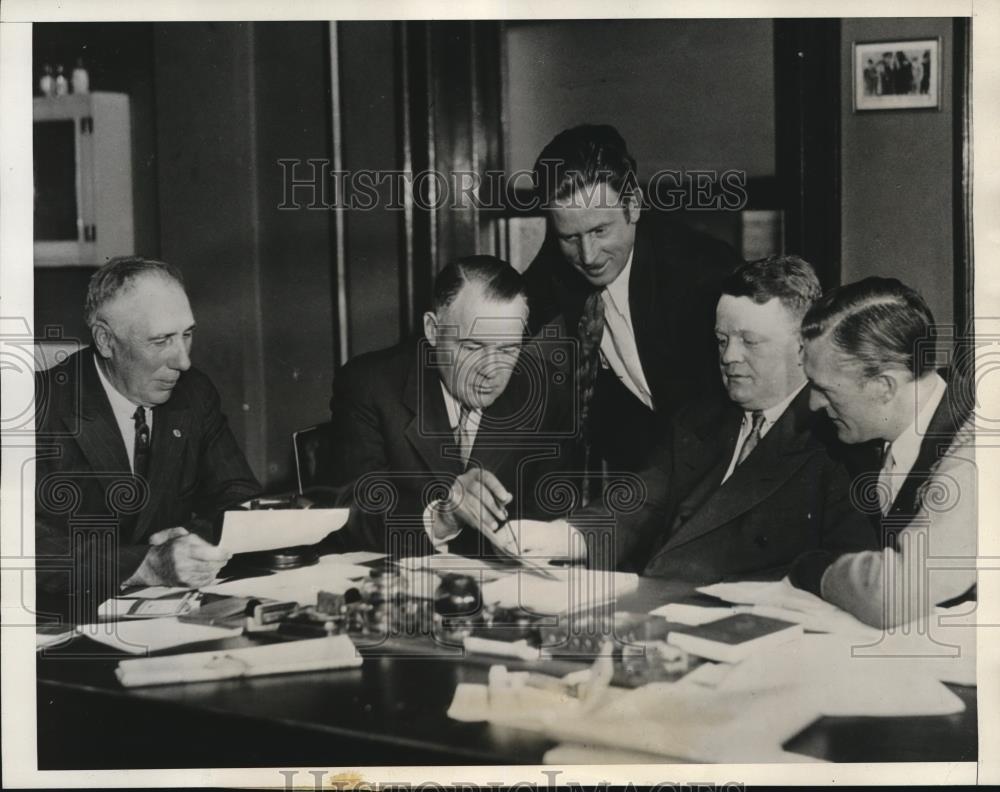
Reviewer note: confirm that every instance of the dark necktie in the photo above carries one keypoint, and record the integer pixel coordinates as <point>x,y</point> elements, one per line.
<point>140,459</point>
<point>590,331</point>
<point>462,435</point>
<point>753,438</point>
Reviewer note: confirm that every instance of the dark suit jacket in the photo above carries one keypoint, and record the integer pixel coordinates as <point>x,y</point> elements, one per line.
<point>789,496</point>
<point>93,519</point>
<point>394,451</point>
<point>673,290</point>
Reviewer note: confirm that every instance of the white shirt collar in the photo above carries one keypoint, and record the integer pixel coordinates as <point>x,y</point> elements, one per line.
<point>906,447</point>
<point>454,409</point>
<point>617,290</point>
<point>772,414</point>
<point>122,408</point>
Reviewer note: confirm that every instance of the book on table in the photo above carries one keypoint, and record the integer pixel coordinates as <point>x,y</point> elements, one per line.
<point>735,637</point>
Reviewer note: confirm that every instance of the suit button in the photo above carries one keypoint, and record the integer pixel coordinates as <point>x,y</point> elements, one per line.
<point>761,541</point>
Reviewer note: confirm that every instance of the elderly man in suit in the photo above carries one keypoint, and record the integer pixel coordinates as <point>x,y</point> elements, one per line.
<point>639,294</point>
<point>747,483</point>
<point>135,461</point>
<point>869,358</point>
<point>440,441</point>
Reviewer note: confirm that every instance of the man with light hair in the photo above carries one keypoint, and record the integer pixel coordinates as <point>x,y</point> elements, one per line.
<point>869,356</point>
<point>136,463</point>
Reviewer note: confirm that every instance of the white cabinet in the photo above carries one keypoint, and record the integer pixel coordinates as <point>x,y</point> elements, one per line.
<point>83,179</point>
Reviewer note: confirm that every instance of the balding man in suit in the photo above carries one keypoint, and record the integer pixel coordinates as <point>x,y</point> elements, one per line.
<point>136,463</point>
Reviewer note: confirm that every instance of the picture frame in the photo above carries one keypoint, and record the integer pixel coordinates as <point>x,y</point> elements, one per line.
<point>897,74</point>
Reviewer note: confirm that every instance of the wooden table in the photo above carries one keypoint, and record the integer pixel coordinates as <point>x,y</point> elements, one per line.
<point>390,711</point>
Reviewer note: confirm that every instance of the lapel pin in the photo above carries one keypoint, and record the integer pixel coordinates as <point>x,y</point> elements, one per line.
<point>177,432</point>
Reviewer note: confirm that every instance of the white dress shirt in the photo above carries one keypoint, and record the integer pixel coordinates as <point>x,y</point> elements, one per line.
<point>124,410</point>
<point>771,416</point>
<point>619,351</point>
<point>454,409</point>
<point>901,453</point>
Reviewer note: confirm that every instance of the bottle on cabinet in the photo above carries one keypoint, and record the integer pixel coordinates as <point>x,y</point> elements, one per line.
<point>62,87</point>
<point>47,83</point>
<point>80,79</point>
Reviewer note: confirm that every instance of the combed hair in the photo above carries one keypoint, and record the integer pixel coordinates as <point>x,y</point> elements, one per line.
<point>790,279</point>
<point>583,158</point>
<point>118,274</point>
<point>499,280</point>
<point>879,322</point>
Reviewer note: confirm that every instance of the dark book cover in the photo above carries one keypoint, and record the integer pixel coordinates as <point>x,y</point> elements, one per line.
<point>737,629</point>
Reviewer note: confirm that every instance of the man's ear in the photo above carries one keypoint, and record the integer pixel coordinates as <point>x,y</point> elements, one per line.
<point>886,385</point>
<point>102,336</point>
<point>633,206</point>
<point>431,327</point>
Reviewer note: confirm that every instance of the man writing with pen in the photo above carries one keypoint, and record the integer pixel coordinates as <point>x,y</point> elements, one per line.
<point>440,441</point>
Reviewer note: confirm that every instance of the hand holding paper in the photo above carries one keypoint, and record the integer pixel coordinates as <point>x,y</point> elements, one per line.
<point>179,558</point>
<point>250,531</point>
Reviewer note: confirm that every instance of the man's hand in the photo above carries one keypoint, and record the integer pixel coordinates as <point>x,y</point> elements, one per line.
<point>179,558</point>
<point>477,499</point>
<point>550,540</point>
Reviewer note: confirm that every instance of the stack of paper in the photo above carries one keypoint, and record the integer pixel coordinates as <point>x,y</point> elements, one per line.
<point>317,654</point>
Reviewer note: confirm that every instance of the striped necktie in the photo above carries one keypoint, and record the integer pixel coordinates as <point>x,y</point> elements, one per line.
<point>462,436</point>
<point>140,457</point>
<point>753,438</point>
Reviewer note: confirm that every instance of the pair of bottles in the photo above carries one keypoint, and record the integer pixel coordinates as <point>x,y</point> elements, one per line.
<point>55,83</point>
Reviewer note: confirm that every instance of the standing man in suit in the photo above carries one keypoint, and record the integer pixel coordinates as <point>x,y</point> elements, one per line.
<point>868,357</point>
<point>439,441</point>
<point>136,463</point>
<point>746,483</point>
<point>639,295</point>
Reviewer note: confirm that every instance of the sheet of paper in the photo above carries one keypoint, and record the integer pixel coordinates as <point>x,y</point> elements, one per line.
<point>825,670</point>
<point>296,585</point>
<point>336,651</point>
<point>575,588</point>
<point>152,635</point>
<point>356,557</point>
<point>54,637</point>
<point>779,599</point>
<point>249,531</point>
<point>155,592</point>
<point>692,615</point>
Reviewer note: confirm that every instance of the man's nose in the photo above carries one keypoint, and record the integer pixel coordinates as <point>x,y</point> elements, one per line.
<point>588,250</point>
<point>731,352</point>
<point>816,400</point>
<point>181,357</point>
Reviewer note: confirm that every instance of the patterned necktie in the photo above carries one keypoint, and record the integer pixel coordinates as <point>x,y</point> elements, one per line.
<point>590,332</point>
<point>885,494</point>
<point>462,435</point>
<point>140,457</point>
<point>753,438</point>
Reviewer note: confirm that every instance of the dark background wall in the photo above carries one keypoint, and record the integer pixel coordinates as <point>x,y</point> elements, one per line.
<point>119,57</point>
<point>216,105</point>
<point>897,175</point>
<point>685,93</point>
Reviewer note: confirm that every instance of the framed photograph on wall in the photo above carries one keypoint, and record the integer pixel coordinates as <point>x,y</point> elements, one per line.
<point>897,74</point>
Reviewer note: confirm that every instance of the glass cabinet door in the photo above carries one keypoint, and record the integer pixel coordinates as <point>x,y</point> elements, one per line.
<point>57,211</point>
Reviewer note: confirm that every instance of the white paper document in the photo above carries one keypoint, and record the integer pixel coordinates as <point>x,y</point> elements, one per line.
<point>573,589</point>
<point>316,654</point>
<point>152,635</point>
<point>250,531</point>
<point>294,585</point>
